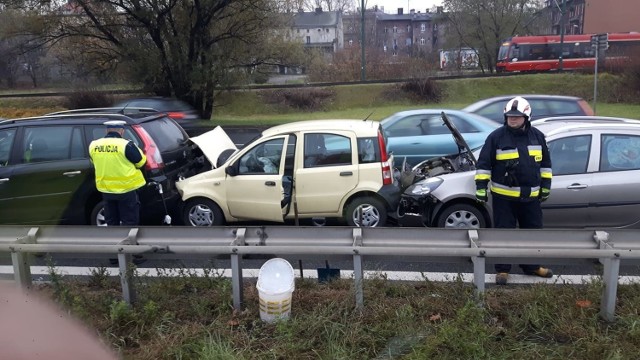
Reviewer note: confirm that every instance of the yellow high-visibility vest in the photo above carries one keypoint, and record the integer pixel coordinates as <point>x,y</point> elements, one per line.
<point>115,174</point>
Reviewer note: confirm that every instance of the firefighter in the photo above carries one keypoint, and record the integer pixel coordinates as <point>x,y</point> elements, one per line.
<point>117,163</point>
<point>515,166</point>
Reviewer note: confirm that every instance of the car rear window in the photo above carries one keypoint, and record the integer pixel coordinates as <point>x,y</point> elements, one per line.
<point>564,107</point>
<point>166,133</point>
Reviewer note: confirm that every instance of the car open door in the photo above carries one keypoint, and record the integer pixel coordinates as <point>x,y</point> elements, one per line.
<point>255,189</point>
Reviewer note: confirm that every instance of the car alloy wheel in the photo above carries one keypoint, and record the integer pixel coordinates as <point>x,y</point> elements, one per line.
<point>366,212</point>
<point>202,212</point>
<point>461,216</point>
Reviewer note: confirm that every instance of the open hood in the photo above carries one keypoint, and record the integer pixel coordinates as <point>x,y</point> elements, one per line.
<point>213,143</point>
<point>463,147</point>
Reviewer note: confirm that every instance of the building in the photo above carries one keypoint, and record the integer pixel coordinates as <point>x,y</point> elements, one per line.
<point>607,16</point>
<point>593,16</point>
<point>319,29</point>
<point>411,34</point>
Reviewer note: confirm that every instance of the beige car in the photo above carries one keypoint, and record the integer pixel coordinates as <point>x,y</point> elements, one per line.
<point>308,169</point>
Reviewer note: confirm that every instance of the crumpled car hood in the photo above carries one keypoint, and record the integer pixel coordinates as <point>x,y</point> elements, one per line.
<point>213,143</point>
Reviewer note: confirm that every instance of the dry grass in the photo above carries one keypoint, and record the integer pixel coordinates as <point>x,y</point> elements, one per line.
<point>192,318</point>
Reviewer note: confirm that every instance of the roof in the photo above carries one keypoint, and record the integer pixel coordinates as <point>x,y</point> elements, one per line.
<point>404,17</point>
<point>316,19</point>
<point>319,125</point>
<point>553,125</point>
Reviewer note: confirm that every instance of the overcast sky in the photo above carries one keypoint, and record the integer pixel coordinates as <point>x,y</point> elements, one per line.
<point>391,6</point>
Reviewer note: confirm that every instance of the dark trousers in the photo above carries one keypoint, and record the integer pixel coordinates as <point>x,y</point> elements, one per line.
<point>122,209</point>
<point>507,214</point>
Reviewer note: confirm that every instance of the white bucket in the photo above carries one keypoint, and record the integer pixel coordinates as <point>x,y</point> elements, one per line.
<point>275,289</point>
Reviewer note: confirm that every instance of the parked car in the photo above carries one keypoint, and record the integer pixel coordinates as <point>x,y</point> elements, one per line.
<point>596,164</point>
<point>542,106</point>
<point>308,169</point>
<point>46,176</point>
<point>178,110</point>
<point>417,135</point>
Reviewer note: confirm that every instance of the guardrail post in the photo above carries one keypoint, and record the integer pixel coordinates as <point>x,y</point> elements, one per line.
<point>358,273</point>
<point>610,278</point>
<point>478,264</point>
<point>22,261</point>
<point>236,270</point>
<point>126,273</point>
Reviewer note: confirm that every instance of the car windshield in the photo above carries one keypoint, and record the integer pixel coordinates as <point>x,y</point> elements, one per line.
<point>166,133</point>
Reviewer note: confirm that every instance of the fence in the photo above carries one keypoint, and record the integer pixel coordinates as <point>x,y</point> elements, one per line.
<point>481,246</point>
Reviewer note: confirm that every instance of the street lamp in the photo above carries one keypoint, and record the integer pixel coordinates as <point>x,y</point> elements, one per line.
<point>363,65</point>
<point>562,11</point>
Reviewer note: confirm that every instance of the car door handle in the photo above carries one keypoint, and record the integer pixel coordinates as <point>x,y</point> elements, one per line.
<point>577,186</point>
<point>346,173</point>
<point>4,180</point>
<point>270,183</point>
<point>72,173</point>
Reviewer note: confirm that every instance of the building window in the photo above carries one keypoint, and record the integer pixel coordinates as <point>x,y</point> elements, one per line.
<point>408,28</point>
<point>298,31</point>
<point>307,31</point>
<point>422,41</point>
<point>423,27</point>
<point>319,30</point>
<point>395,29</point>
<point>308,39</point>
<point>327,30</point>
<point>386,30</point>
<point>350,42</point>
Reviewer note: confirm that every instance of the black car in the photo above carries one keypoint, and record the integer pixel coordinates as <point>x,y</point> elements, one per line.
<point>46,176</point>
<point>183,113</point>
<point>541,106</point>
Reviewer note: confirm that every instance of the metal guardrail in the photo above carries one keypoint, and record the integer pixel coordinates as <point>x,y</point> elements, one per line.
<point>610,247</point>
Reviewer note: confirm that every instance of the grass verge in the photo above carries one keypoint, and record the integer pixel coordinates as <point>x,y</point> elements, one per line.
<point>190,317</point>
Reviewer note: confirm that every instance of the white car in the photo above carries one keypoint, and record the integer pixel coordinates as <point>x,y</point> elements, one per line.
<point>596,167</point>
<point>306,169</point>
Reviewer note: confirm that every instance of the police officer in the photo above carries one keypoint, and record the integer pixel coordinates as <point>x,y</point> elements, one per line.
<point>515,165</point>
<point>117,163</point>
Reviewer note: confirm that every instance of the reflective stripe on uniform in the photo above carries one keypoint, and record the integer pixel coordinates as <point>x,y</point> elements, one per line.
<point>535,151</point>
<point>483,175</point>
<point>507,154</point>
<point>546,173</point>
<point>512,191</point>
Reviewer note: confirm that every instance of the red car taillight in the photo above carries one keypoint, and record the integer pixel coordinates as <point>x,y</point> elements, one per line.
<point>586,108</point>
<point>175,115</point>
<point>387,178</point>
<point>150,149</point>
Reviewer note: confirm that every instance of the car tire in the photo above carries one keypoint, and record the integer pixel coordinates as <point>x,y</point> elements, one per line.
<point>374,213</point>
<point>202,212</point>
<point>97,215</point>
<point>463,216</point>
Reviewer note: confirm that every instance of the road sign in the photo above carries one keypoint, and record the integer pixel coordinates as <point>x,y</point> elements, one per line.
<point>600,42</point>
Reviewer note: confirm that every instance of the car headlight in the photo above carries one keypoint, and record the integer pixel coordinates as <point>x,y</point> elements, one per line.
<point>424,187</point>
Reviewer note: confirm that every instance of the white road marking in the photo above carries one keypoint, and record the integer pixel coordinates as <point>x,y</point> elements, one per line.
<point>345,274</point>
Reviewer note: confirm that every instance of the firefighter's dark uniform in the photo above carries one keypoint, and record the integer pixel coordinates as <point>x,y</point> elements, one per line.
<point>515,165</point>
<point>117,163</point>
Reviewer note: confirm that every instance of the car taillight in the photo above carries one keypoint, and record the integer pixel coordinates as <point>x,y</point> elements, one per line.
<point>384,157</point>
<point>586,108</point>
<point>175,115</point>
<point>150,149</point>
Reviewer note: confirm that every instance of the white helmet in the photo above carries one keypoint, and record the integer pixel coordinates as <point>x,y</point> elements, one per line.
<point>517,106</point>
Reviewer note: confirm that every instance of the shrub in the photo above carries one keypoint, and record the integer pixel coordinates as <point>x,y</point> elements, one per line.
<point>423,90</point>
<point>88,98</point>
<point>303,99</point>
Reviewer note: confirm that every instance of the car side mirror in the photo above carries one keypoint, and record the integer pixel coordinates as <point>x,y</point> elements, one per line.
<point>231,170</point>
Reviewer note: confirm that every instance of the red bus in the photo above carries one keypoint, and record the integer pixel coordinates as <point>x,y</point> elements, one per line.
<point>540,53</point>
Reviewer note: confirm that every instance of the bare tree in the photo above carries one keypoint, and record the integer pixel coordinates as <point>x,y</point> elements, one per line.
<point>329,5</point>
<point>185,48</point>
<point>483,24</point>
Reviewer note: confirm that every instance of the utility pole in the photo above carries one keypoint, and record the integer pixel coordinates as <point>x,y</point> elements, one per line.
<point>363,74</point>
<point>562,12</point>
